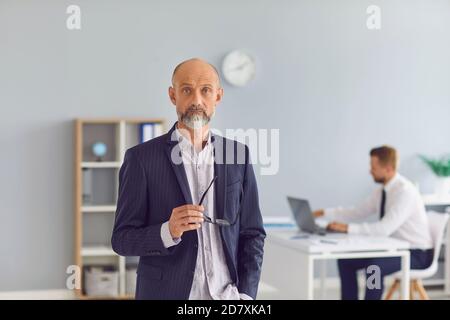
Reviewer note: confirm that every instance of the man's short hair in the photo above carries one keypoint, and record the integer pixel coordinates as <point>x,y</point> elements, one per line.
<point>387,155</point>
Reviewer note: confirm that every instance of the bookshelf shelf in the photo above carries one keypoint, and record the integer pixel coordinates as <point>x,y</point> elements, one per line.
<point>119,297</point>
<point>109,164</point>
<point>96,187</point>
<point>97,251</point>
<point>110,208</point>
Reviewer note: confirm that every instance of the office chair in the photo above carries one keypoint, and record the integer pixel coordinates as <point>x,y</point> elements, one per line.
<point>437,224</point>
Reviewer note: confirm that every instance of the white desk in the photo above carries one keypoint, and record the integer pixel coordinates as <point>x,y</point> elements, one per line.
<point>436,200</point>
<point>289,263</point>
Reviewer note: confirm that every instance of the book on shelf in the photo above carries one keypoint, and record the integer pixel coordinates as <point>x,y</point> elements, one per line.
<point>87,186</point>
<point>150,130</point>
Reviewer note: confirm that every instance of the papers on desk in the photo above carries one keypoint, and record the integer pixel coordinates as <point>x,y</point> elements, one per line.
<point>323,241</point>
<point>314,239</point>
<point>278,223</point>
<point>335,242</point>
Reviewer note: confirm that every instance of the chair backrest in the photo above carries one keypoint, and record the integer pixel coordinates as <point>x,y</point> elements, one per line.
<point>437,223</point>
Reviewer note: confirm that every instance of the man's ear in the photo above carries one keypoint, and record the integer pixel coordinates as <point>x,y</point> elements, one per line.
<point>172,96</point>
<point>219,95</point>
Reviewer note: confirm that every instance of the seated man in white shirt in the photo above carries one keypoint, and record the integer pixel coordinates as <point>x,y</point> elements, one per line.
<point>401,214</point>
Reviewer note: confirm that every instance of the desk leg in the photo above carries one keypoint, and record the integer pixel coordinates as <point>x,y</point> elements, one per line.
<point>323,275</point>
<point>447,262</point>
<point>310,274</point>
<point>405,275</point>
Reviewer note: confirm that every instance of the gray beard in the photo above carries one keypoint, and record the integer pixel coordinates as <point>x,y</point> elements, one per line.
<point>193,119</point>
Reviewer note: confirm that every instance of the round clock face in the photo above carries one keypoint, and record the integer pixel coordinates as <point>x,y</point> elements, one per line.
<point>238,68</point>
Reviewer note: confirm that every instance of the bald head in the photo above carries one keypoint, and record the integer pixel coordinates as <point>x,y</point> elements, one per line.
<point>195,93</point>
<point>195,68</point>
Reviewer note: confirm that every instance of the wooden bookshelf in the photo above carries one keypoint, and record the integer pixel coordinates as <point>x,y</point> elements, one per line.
<point>96,208</point>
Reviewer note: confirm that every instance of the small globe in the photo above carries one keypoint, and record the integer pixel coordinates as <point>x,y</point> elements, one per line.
<point>99,149</point>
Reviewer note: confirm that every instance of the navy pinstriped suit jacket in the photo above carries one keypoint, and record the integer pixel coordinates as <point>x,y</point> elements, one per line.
<point>151,185</point>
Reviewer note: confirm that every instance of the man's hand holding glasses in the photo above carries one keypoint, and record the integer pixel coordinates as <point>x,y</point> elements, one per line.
<point>190,216</point>
<point>185,218</point>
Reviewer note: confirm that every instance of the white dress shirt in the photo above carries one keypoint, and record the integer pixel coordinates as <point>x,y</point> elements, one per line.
<point>405,217</point>
<point>212,278</point>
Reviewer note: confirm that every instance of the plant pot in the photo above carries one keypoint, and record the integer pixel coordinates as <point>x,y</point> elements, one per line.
<point>442,187</point>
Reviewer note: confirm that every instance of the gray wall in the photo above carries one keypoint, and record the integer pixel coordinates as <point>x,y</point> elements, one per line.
<point>332,87</point>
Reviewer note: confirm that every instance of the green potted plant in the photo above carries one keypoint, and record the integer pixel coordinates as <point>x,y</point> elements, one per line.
<point>441,168</point>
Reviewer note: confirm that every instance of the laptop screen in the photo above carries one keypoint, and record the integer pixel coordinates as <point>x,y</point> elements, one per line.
<point>302,214</point>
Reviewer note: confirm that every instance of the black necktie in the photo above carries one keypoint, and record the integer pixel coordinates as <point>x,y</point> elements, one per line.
<point>383,202</point>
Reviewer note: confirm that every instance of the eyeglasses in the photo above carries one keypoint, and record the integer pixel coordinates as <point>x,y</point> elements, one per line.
<point>219,222</point>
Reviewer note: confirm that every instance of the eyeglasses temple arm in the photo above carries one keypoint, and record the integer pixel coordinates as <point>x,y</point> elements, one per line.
<point>206,191</point>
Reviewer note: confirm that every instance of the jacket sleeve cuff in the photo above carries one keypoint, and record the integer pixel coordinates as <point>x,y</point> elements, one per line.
<point>166,237</point>
<point>244,296</point>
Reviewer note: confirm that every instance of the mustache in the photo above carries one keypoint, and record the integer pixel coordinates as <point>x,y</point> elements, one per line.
<point>195,108</point>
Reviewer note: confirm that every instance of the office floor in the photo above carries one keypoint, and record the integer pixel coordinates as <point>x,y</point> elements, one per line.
<point>265,293</point>
<point>268,293</point>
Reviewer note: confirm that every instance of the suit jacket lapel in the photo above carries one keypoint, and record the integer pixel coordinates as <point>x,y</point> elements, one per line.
<point>172,148</point>
<point>220,170</point>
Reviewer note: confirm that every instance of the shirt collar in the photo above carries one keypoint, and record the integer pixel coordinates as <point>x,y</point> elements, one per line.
<point>185,143</point>
<point>391,182</point>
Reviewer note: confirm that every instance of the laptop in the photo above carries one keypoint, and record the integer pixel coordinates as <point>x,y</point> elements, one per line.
<point>304,217</point>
